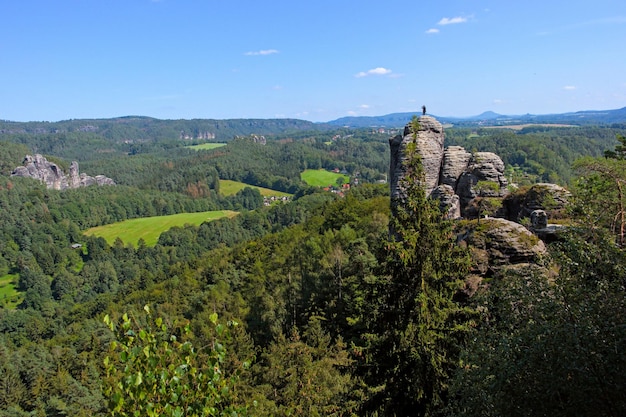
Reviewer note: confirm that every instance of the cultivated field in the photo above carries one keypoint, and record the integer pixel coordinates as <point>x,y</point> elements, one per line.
<point>322,177</point>
<point>228,187</point>
<point>150,228</point>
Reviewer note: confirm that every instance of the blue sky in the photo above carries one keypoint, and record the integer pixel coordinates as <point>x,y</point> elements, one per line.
<point>314,60</point>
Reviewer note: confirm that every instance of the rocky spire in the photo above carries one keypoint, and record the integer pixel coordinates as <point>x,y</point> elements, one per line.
<point>429,140</point>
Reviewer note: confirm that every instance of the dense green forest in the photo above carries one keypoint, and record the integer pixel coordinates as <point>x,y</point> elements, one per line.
<point>310,307</point>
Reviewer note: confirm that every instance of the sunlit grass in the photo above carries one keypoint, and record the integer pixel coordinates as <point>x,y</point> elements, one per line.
<point>206,146</point>
<point>229,187</point>
<point>322,177</point>
<point>150,228</point>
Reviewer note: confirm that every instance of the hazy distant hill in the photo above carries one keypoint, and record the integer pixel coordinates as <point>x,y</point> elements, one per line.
<point>489,118</point>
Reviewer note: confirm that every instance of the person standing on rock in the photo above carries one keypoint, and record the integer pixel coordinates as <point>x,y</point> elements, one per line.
<point>424,110</point>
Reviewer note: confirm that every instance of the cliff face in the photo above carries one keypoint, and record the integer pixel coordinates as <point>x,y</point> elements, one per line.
<point>453,175</point>
<point>429,139</point>
<point>52,175</point>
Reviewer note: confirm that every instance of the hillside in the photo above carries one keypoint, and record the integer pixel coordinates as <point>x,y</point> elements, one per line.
<point>361,304</point>
<point>136,128</point>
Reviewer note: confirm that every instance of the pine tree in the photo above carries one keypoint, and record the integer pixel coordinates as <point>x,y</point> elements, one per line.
<point>423,326</point>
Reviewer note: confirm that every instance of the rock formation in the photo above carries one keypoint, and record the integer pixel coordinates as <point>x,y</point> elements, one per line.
<point>543,196</point>
<point>52,175</point>
<point>498,243</point>
<point>465,182</point>
<point>455,161</point>
<point>464,173</point>
<point>429,144</point>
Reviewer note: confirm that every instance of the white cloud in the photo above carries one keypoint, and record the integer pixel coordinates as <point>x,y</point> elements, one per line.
<point>569,87</point>
<point>262,52</point>
<point>364,106</point>
<point>432,31</point>
<point>374,71</point>
<point>452,20</point>
<point>351,113</point>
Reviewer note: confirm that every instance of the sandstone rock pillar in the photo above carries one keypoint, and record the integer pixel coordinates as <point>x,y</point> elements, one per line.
<point>429,140</point>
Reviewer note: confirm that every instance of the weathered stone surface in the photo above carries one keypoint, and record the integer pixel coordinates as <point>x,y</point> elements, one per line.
<point>497,243</point>
<point>41,169</point>
<point>449,202</point>
<point>52,175</point>
<point>551,198</point>
<point>455,161</point>
<point>483,167</point>
<point>538,219</point>
<point>429,144</point>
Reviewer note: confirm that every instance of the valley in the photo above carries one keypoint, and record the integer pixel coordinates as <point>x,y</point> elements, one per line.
<point>452,267</point>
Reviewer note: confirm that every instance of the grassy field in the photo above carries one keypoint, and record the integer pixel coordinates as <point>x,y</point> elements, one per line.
<point>150,228</point>
<point>9,297</point>
<point>228,187</point>
<point>206,146</point>
<point>322,178</point>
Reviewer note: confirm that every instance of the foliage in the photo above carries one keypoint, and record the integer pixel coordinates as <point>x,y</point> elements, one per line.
<point>550,345</point>
<point>602,195</point>
<point>305,376</point>
<point>537,154</point>
<point>340,319</point>
<point>150,372</point>
<point>423,326</point>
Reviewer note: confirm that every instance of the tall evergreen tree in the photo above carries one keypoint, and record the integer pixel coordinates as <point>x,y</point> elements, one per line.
<point>422,327</point>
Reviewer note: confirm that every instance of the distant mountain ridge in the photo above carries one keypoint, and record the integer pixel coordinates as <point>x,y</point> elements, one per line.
<point>140,128</point>
<point>489,118</point>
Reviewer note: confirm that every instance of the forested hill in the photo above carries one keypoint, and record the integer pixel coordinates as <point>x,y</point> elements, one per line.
<point>580,118</point>
<point>135,128</point>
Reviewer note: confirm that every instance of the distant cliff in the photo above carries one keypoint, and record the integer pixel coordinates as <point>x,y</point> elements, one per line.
<point>52,175</point>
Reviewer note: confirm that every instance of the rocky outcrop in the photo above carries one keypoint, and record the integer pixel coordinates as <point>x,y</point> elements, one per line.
<point>472,185</point>
<point>429,144</point>
<point>449,202</point>
<point>483,177</point>
<point>499,243</point>
<point>468,175</point>
<point>52,175</point>
<point>455,162</point>
<point>551,198</point>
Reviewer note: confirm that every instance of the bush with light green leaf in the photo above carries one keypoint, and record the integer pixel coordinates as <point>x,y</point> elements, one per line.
<point>152,372</point>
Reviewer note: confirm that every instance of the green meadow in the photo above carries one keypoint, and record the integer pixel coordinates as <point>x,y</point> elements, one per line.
<point>206,146</point>
<point>322,177</point>
<point>9,296</point>
<point>150,228</point>
<point>228,187</point>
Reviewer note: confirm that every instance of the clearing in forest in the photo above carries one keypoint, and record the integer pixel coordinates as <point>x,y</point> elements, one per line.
<point>206,146</point>
<point>150,228</point>
<point>229,187</point>
<point>322,177</point>
<point>9,296</point>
